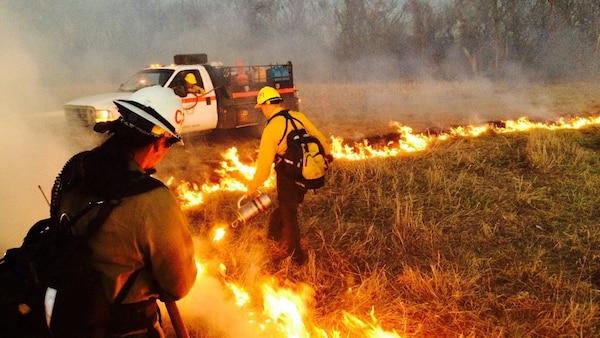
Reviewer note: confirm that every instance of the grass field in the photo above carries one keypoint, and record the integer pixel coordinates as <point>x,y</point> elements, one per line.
<point>489,236</point>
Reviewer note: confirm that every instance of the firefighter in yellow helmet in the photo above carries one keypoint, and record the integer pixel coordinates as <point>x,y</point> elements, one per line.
<point>146,232</point>
<point>192,85</point>
<point>283,222</point>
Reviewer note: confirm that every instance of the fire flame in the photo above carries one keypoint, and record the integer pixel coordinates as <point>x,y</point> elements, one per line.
<point>408,142</point>
<point>286,313</point>
<point>284,309</point>
<point>191,194</point>
<point>235,174</point>
<point>369,329</point>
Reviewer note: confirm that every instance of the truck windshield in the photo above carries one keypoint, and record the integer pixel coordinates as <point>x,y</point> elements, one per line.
<point>145,78</point>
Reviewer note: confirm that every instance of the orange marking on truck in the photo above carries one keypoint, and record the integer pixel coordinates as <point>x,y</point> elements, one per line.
<point>193,99</point>
<point>238,95</point>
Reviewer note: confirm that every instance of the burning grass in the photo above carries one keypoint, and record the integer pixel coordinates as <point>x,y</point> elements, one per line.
<point>464,232</point>
<point>439,105</point>
<point>488,236</point>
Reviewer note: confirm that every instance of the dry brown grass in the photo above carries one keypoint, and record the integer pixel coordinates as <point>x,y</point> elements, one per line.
<point>495,236</point>
<point>354,111</point>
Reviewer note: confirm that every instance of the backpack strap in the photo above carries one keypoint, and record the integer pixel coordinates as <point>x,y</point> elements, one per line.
<point>291,119</point>
<point>143,184</point>
<point>279,113</point>
<point>286,113</point>
<point>126,287</point>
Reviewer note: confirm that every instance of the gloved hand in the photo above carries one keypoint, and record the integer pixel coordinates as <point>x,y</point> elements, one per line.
<point>250,193</point>
<point>329,158</point>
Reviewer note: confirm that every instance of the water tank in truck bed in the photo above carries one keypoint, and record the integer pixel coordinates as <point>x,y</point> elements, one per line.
<point>190,59</point>
<point>278,73</point>
<point>280,76</point>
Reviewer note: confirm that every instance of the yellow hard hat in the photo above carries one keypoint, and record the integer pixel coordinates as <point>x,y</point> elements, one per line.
<point>190,78</point>
<point>267,95</point>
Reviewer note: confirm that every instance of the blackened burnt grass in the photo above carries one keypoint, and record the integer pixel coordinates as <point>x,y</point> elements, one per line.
<point>493,236</point>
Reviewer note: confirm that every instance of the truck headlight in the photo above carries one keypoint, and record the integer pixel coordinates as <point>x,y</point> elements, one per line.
<point>103,116</point>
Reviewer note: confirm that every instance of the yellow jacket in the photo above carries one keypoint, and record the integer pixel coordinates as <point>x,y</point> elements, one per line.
<point>269,146</point>
<point>195,89</point>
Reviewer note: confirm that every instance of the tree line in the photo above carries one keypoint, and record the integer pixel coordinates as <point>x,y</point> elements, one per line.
<point>444,39</point>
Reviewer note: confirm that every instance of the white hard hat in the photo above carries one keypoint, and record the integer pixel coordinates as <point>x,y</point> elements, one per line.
<point>154,110</point>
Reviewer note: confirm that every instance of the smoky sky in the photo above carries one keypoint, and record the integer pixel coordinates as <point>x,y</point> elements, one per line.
<point>82,42</point>
<point>72,47</point>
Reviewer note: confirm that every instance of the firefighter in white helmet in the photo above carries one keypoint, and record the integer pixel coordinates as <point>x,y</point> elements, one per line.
<point>154,111</point>
<point>147,231</point>
<point>283,222</point>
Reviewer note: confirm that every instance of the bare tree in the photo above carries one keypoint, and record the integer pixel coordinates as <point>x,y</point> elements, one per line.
<point>367,27</point>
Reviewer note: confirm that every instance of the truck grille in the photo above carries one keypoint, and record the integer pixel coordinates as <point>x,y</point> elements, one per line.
<point>85,115</point>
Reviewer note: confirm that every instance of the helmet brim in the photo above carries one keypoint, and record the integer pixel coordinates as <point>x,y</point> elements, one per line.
<point>144,118</point>
<point>273,100</point>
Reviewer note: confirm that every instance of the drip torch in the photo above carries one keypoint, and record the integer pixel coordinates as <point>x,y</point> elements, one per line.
<point>249,209</point>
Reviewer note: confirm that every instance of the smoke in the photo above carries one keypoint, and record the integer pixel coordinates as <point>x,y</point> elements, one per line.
<point>434,104</point>
<point>32,149</point>
<point>42,70</point>
<point>212,306</point>
<point>65,50</point>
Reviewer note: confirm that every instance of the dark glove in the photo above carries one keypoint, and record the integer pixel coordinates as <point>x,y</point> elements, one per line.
<point>329,158</point>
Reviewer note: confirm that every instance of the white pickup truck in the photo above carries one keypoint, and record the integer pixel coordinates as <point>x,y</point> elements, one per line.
<point>225,101</point>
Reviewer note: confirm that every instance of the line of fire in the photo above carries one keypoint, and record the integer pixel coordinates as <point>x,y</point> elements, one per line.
<point>284,309</point>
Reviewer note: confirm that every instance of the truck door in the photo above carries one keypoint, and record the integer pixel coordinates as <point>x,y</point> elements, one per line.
<point>196,90</point>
